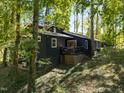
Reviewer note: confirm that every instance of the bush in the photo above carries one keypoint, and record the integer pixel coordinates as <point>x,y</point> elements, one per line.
<point>44,64</point>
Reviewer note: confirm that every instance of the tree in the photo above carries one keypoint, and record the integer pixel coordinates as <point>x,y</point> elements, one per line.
<point>82,20</point>
<point>112,16</point>
<point>5,57</point>
<point>60,12</point>
<point>6,26</point>
<point>92,29</point>
<point>17,39</point>
<point>32,64</point>
<point>97,23</point>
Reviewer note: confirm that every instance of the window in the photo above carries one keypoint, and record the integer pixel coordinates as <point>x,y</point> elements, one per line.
<point>72,43</point>
<point>86,44</point>
<point>97,45</point>
<point>39,38</point>
<point>54,42</point>
<point>54,30</point>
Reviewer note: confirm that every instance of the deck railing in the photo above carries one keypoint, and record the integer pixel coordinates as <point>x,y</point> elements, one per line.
<point>74,50</point>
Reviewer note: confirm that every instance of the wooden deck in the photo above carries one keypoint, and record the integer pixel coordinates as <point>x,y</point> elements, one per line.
<point>72,58</point>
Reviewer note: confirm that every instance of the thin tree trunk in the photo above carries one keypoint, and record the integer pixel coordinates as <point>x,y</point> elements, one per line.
<point>82,21</point>
<point>123,22</point>
<point>115,34</point>
<point>12,18</point>
<point>76,21</point>
<point>46,13</point>
<point>115,28</point>
<point>17,41</point>
<point>92,29</point>
<point>97,18</point>
<point>5,57</point>
<point>32,65</point>
<point>16,46</point>
<point>47,10</point>
<point>123,35</point>
<point>123,28</point>
<point>104,28</point>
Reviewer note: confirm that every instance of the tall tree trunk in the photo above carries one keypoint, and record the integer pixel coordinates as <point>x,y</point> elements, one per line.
<point>12,21</point>
<point>5,57</point>
<point>123,33</point>
<point>46,13</point>
<point>47,10</point>
<point>17,40</point>
<point>92,29</point>
<point>115,28</point>
<point>76,21</point>
<point>6,25</point>
<point>123,28</point>
<point>97,20</point>
<point>82,21</point>
<point>32,64</point>
<point>104,28</point>
<point>123,22</point>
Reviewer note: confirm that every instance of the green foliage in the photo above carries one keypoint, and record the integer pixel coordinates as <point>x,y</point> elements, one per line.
<point>7,82</point>
<point>112,18</point>
<point>60,89</point>
<point>26,46</point>
<point>108,38</point>
<point>60,14</point>
<point>6,28</point>
<point>44,61</point>
<point>16,85</point>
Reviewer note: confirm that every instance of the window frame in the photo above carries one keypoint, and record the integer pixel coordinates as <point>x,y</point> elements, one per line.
<point>72,43</point>
<point>39,38</point>
<point>86,44</point>
<point>54,46</point>
<point>54,30</point>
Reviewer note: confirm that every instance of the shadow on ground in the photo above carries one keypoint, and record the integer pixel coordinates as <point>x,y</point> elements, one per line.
<point>104,73</point>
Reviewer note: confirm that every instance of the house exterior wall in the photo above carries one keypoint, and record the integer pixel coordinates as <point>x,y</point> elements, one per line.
<point>46,51</point>
<point>42,50</point>
<point>80,42</point>
<point>52,53</point>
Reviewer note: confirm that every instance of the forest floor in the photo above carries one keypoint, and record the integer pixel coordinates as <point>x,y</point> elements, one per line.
<point>7,84</point>
<point>103,74</point>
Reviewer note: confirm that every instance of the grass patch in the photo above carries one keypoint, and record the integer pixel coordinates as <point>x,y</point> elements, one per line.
<point>102,74</point>
<point>7,84</point>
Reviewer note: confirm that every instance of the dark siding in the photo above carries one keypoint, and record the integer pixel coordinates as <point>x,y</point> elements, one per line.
<point>42,48</point>
<point>89,48</point>
<point>80,42</point>
<point>61,42</point>
<point>46,51</point>
<point>52,53</point>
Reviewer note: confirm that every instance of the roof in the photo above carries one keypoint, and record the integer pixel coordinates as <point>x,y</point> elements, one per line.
<point>77,35</point>
<point>31,25</point>
<point>55,34</point>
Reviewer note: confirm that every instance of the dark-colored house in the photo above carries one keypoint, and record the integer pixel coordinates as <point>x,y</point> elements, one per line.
<point>83,43</point>
<point>63,47</point>
<point>50,44</point>
<point>59,45</point>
